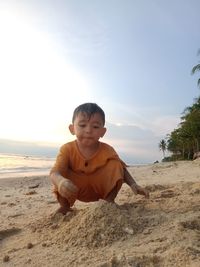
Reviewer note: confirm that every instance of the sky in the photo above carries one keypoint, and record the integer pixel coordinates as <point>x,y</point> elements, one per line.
<point>131,57</point>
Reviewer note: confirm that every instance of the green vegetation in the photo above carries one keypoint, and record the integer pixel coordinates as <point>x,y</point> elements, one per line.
<point>184,141</point>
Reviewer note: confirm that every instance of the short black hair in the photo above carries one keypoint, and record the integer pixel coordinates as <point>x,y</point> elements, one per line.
<point>89,109</point>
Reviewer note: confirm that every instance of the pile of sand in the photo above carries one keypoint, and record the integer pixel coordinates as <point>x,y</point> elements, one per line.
<point>98,225</point>
<point>165,230</point>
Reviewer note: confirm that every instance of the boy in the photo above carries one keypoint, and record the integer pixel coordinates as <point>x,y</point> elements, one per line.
<point>87,169</point>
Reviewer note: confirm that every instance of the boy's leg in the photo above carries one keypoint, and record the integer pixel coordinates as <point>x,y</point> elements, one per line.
<point>108,180</point>
<point>113,193</point>
<point>65,201</point>
<point>64,204</point>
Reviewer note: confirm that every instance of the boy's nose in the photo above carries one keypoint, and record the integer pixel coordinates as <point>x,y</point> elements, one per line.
<point>88,129</point>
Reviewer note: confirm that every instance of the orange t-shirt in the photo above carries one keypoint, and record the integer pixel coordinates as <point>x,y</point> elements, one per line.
<point>95,177</point>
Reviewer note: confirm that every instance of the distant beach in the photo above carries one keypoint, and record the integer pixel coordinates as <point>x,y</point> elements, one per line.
<point>12,165</point>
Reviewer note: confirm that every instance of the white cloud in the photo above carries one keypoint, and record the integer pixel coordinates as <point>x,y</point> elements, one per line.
<point>134,145</point>
<point>164,125</point>
<point>139,144</point>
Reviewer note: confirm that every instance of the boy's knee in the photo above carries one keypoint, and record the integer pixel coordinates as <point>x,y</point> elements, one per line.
<point>113,193</point>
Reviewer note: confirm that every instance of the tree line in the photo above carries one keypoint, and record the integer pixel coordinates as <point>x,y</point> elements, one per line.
<point>184,141</point>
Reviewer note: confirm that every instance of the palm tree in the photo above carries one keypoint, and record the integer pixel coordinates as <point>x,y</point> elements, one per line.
<point>196,69</point>
<point>163,146</point>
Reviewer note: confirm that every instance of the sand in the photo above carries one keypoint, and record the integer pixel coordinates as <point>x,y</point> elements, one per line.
<point>161,231</point>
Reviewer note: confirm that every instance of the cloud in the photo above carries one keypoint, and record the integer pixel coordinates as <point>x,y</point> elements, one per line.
<point>164,125</point>
<point>138,144</point>
<point>134,144</point>
<point>27,148</point>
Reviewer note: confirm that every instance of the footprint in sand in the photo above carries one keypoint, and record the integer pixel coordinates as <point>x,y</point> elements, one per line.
<point>191,224</point>
<point>168,194</point>
<point>9,232</point>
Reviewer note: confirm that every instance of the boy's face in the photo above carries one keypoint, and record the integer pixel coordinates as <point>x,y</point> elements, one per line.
<point>88,130</point>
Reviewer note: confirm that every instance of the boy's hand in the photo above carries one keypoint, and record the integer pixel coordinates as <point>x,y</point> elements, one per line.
<point>67,190</point>
<point>139,190</point>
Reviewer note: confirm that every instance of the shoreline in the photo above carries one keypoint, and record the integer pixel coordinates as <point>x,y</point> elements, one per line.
<point>11,175</point>
<point>133,167</point>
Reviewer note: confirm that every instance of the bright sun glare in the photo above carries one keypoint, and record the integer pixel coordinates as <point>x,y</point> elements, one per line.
<point>38,88</point>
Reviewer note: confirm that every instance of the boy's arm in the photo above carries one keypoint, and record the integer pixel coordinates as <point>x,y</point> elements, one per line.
<point>56,178</point>
<point>128,179</point>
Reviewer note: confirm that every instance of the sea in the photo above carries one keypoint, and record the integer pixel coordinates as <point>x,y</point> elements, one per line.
<point>13,165</point>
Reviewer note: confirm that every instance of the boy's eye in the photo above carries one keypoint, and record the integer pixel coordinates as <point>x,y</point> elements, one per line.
<point>82,125</point>
<point>96,127</point>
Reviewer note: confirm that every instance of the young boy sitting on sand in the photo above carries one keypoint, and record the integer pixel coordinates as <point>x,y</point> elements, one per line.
<point>87,169</point>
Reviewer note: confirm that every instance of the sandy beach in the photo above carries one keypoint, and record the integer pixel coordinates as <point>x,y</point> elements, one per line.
<point>161,231</point>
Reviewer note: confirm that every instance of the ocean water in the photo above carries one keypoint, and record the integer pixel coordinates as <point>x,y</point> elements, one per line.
<point>22,165</point>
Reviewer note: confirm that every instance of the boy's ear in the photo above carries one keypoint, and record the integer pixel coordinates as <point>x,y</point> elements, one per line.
<point>71,129</point>
<point>103,131</point>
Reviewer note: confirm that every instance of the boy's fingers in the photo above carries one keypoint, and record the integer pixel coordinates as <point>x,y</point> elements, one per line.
<point>143,192</point>
<point>139,190</point>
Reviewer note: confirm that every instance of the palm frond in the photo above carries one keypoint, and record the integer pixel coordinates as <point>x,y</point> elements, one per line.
<point>196,68</point>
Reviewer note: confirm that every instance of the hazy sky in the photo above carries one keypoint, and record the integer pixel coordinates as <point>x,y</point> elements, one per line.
<point>132,57</point>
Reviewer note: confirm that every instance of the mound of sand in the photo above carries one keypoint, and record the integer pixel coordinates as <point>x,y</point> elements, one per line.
<point>99,225</point>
